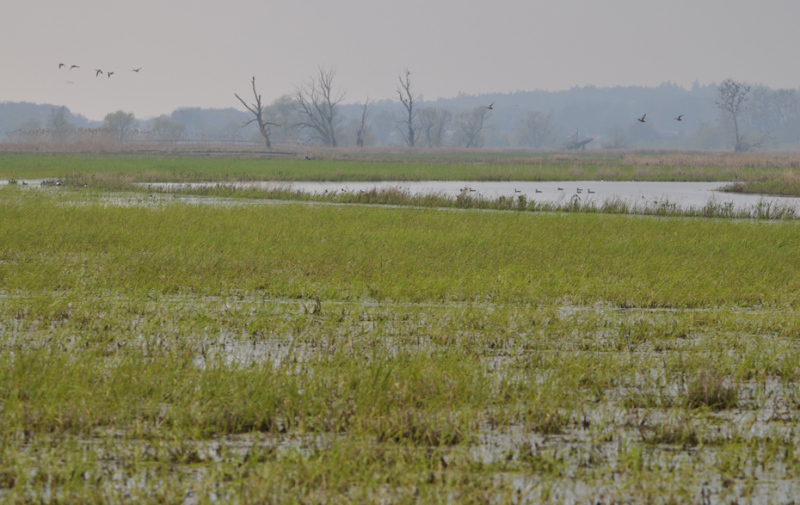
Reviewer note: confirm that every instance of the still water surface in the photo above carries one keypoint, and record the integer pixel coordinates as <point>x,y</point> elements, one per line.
<point>682,194</point>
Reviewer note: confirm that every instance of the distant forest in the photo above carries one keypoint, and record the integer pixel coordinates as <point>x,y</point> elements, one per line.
<point>584,117</point>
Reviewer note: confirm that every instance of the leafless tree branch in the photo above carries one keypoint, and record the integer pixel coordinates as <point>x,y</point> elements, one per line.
<point>408,98</point>
<point>257,109</point>
<point>361,131</point>
<point>317,105</point>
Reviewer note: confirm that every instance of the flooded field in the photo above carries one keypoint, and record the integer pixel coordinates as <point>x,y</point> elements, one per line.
<point>212,347</point>
<point>524,403</point>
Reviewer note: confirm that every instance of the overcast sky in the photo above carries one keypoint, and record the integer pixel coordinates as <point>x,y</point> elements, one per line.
<point>199,52</point>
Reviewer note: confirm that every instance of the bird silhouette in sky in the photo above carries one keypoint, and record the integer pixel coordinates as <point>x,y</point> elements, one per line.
<point>74,66</point>
<point>679,118</point>
<point>137,69</point>
<point>641,119</point>
<point>109,74</point>
<point>97,72</point>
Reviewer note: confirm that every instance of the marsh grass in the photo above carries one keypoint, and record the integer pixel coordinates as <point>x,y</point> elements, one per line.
<point>710,389</point>
<point>352,253</point>
<point>308,354</point>
<point>786,183</point>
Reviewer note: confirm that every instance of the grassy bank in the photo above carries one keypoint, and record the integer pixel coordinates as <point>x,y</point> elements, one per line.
<point>398,167</point>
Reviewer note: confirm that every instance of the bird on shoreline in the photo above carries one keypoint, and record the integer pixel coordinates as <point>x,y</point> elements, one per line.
<point>641,119</point>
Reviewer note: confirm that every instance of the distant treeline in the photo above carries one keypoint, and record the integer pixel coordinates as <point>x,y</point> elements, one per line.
<point>523,119</point>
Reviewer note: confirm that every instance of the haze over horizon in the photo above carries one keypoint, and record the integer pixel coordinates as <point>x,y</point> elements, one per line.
<point>199,53</point>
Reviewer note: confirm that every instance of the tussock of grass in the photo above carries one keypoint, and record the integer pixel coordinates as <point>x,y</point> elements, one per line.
<point>785,183</point>
<point>674,431</point>
<point>710,389</point>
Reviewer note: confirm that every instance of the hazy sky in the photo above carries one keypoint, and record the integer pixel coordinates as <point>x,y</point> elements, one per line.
<point>199,52</point>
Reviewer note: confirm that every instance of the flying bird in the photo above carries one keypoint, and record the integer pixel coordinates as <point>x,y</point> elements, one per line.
<point>641,119</point>
<point>97,72</point>
<point>61,65</point>
<point>74,66</point>
<point>137,69</point>
<point>679,118</point>
<point>108,74</point>
<point>491,106</point>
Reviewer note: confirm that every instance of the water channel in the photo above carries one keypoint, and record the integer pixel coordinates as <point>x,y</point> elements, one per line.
<point>681,194</point>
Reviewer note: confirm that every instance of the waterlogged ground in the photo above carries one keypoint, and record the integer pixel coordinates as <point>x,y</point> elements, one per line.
<point>156,351</point>
<point>393,402</point>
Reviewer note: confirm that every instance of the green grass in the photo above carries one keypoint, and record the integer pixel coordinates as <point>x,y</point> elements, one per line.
<point>156,350</point>
<point>786,183</point>
<point>387,167</point>
<point>355,253</point>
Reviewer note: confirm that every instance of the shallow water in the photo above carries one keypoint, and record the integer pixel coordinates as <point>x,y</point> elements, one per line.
<point>682,194</point>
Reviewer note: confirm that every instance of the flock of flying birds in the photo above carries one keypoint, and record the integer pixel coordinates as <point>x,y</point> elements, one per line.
<point>97,72</point>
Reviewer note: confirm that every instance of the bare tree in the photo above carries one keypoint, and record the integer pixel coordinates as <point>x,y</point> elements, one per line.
<point>120,124</point>
<point>317,105</point>
<point>166,129</point>
<point>537,129</point>
<point>362,129</point>
<point>58,124</point>
<point>408,123</point>
<point>469,125</point>
<point>257,109</point>
<point>433,123</point>
<point>732,96</point>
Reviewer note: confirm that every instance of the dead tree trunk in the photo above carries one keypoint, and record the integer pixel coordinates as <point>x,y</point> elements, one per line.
<point>361,131</point>
<point>408,98</point>
<point>257,109</point>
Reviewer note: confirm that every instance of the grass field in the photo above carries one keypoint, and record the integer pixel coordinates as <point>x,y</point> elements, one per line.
<point>400,167</point>
<point>228,350</point>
